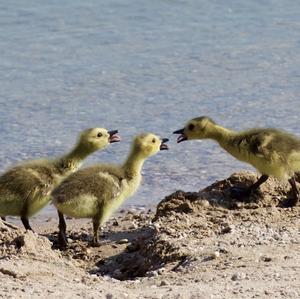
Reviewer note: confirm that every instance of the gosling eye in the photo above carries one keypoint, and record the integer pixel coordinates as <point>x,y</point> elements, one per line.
<point>153,140</point>
<point>191,127</point>
<point>99,134</point>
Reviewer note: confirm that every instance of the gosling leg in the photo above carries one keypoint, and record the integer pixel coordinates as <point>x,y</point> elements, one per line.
<point>62,238</point>
<point>294,200</point>
<point>240,193</point>
<point>96,224</point>
<point>26,224</point>
<point>24,217</point>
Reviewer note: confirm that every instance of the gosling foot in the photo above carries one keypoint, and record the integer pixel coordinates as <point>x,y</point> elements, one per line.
<point>62,241</point>
<point>26,224</point>
<point>95,244</point>
<point>240,193</point>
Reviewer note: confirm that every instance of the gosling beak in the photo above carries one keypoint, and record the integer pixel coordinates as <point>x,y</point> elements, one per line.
<point>163,145</point>
<point>181,137</point>
<point>113,136</point>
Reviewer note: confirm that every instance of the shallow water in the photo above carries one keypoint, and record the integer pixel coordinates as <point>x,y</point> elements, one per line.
<point>146,66</point>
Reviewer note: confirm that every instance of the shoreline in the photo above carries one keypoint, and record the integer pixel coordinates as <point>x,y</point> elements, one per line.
<point>194,245</point>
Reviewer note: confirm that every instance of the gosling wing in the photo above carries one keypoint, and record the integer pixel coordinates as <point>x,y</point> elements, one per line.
<point>102,185</point>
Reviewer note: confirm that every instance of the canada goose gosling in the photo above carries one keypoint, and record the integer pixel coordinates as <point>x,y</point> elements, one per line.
<point>25,189</point>
<point>272,152</point>
<point>96,192</point>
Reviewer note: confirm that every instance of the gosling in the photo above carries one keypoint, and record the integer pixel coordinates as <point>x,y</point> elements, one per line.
<point>25,189</point>
<point>96,192</point>
<point>272,152</point>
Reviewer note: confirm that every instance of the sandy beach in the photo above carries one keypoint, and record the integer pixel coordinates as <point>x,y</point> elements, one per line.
<point>192,245</point>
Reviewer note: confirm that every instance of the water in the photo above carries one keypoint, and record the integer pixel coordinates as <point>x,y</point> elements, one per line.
<point>146,66</point>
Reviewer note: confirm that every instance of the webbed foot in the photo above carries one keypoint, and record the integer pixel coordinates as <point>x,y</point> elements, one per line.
<point>26,224</point>
<point>62,241</point>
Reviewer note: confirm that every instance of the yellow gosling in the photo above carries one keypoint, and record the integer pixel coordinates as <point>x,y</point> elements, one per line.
<point>25,189</point>
<point>272,152</point>
<point>96,192</point>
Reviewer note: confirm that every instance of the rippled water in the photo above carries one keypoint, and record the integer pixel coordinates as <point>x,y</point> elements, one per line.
<point>146,66</point>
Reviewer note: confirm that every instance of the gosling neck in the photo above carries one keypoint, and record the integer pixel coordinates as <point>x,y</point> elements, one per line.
<point>133,164</point>
<point>73,159</point>
<point>222,135</point>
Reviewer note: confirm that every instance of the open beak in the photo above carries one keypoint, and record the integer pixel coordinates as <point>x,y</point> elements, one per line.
<point>163,145</point>
<point>113,136</point>
<point>181,137</point>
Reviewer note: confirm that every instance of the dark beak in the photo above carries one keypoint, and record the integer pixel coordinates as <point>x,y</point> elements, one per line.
<point>113,136</point>
<point>182,137</point>
<point>178,131</point>
<point>163,145</point>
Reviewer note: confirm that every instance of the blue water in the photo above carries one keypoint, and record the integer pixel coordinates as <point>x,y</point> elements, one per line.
<point>146,66</point>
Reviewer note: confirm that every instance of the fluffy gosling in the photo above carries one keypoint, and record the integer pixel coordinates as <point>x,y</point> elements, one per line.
<point>96,192</point>
<point>25,189</point>
<point>272,152</point>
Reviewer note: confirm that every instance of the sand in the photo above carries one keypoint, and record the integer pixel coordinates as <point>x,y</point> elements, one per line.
<point>192,245</point>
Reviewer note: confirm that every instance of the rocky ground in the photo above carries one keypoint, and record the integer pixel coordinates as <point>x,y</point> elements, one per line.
<point>193,245</point>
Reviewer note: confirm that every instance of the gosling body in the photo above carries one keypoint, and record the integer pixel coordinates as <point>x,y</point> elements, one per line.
<point>272,152</point>
<point>25,189</point>
<point>96,192</point>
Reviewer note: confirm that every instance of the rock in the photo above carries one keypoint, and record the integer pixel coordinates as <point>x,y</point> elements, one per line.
<point>228,228</point>
<point>204,203</point>
<point>215,255</point>
<point>161,271</point>
<point>123,241</point>
<point>266,259</point>
<point>152,274</point>
<point>133,226</point>
<point>163,283</point>
<point>238,276</point>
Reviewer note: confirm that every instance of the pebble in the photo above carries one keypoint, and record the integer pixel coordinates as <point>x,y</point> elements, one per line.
<point>123,241</point>
<point>153,274</point>
<point>133,226</point>
<point>95,277</point>
<point>204,203</point>
<point>227,229</point>
<point>216,255</point>
<point>266,259</point>
<point>161,271</point>
<point>163,283</point>
<point>156,225</point>
<point>238,276</point>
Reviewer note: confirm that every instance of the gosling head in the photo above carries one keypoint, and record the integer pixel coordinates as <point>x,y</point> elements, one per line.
<point>97,138</point>
<point>149,144</point>
<point>197,128</point>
